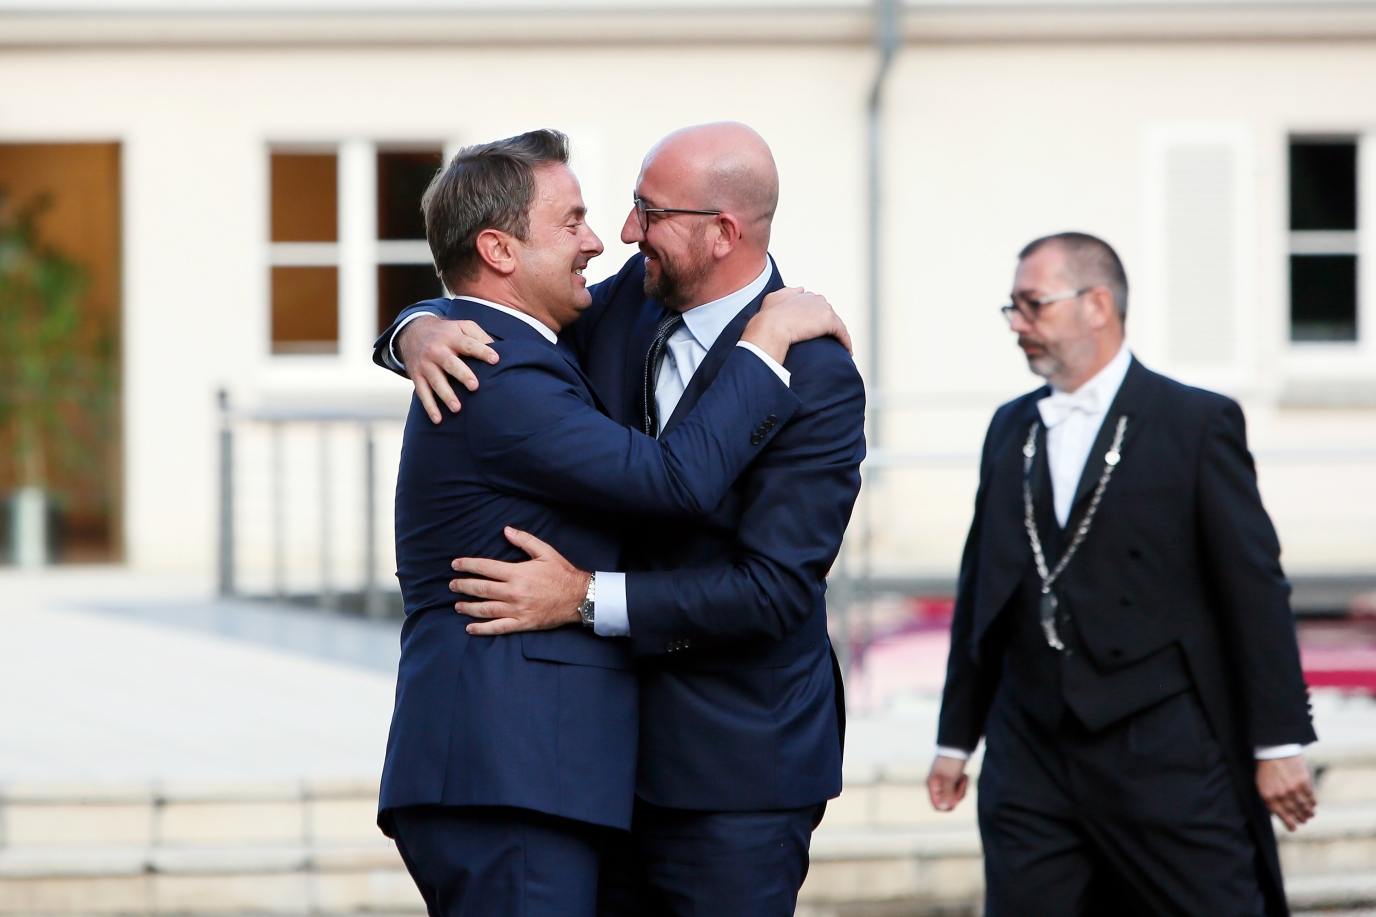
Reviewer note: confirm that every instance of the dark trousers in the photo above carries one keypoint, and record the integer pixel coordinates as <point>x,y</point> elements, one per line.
<point>722,864</point>
<point>1140,818</point>
<point>481,861</point>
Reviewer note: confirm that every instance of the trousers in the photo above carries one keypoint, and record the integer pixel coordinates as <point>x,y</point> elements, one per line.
<point>1142,817</point>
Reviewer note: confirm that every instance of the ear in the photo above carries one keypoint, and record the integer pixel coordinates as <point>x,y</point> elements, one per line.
<point>1102,312</point>
<point>729,235</point>
<point>497,250</point>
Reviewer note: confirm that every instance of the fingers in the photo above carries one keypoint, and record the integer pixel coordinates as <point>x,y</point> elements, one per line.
<point>778,296</point>
<point>439,384</point>
<point>842,334</point>
<point>495,628</point>
<point>483,609</point>
<point>475,332</point>
<point>529,543</point>
<point>1294,807</point>
<point>1288,791</point>
<point>942,792</point>
<point>482,566</point>
<point>460,370</point>
<point>427,397</point>
<point>482,589</point>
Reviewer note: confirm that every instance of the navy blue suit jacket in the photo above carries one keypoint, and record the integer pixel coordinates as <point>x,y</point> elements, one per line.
<point>544,720</point>
<point>741,703</point>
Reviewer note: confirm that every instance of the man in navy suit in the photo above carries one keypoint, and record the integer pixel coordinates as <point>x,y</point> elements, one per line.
<point>511,761</point>
<point>741,707</point>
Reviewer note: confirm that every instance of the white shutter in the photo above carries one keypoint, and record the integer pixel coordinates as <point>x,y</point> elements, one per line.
<point>1201,301</point>
<point>1198,281</point>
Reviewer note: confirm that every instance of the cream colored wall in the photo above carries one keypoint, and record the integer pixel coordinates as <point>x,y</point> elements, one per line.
<point>988,146</point>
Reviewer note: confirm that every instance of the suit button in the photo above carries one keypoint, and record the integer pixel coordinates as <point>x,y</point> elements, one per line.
<point>770,421</point>
<point>684,644</point>
<point>756,438</point>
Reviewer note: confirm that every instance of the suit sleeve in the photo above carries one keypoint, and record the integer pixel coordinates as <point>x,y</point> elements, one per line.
<point>970,677</point>
<point>1242,560</point>
<point>798,498</point>
<point>532,433</point>
<point>382,347</point>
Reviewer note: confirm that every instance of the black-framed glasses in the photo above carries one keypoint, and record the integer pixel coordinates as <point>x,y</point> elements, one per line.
<point>642,212</point>
<point>1031,308</point>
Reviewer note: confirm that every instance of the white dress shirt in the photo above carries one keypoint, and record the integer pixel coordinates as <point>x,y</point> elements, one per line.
<point>687,348</point>
<point>1072,421</point>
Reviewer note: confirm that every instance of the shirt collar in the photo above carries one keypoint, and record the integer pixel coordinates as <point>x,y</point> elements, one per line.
<point>707,321</point>
<point>1094,397</point>
<point>544,330</point>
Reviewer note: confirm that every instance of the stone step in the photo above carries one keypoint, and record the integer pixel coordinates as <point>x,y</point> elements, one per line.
<point>287,879</point>
<point>937,867</point>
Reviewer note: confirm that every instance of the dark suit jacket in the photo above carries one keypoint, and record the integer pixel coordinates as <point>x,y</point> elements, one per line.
<point>741,705</point>
<point>544,720</point>
<point>1182,558</point>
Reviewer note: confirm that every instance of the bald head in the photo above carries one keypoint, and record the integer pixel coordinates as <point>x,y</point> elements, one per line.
<point>723,166</point>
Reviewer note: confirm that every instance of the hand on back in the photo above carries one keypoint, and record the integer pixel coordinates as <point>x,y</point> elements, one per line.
<point>432,350</point>
<point>790,316</point>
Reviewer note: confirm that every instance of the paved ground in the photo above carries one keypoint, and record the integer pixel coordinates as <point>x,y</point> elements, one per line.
<point>111,677</point>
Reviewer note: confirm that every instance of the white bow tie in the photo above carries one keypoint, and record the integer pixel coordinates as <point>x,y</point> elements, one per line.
<point>1061,405</point>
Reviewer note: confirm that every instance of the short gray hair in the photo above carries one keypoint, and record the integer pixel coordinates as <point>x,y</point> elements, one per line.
<point>1091,262</point>
<point>486,186</point>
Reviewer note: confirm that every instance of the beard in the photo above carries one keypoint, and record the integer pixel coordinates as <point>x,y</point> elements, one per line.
<point>1041,361</point>
<point>680,277</point>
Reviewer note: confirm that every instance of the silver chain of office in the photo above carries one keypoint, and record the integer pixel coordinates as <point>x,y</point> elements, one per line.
<point>1047,605</point>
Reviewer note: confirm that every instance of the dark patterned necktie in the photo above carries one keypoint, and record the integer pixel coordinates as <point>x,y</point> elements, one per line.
<point>667,326</point>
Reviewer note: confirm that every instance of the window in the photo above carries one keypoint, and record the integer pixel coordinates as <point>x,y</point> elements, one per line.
<point>1323,239</point>
<point>405,271</point>
<point>305,252</point>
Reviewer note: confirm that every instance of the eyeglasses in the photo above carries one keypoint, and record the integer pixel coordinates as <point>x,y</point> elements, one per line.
<point>1031,308</point>
<point>642,212</point>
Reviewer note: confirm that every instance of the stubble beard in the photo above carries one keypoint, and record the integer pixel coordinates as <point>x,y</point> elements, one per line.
<point>680,280</point>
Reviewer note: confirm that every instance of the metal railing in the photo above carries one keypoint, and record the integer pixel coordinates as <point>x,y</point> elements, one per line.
<point>259,506</point>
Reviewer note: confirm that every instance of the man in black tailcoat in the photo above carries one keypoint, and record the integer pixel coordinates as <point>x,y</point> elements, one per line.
<point>1122,639</point>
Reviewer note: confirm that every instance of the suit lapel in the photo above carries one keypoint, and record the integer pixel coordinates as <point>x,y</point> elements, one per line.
<point>1004,552</point>
<point>712,363</point>
<point>637,349</point>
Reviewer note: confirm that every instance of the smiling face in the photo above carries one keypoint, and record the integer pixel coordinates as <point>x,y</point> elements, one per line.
<point>678,261</point>
<point>557,248</point>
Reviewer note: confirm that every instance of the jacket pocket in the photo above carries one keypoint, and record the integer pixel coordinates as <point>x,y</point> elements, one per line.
<point>574,645</point>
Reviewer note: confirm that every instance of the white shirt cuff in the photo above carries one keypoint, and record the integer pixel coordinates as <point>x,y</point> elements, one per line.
<point>390,354</point>
<point>610,618</point>
<point>1271,752</point>
<point>944,752</point>
<point>783,374</point>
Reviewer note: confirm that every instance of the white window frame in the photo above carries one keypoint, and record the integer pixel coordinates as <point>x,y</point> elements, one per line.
<point>1312,365</point>
<point>1324,241</point>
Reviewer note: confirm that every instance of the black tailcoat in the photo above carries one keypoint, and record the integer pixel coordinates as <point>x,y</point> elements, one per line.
<point>1179,577</point>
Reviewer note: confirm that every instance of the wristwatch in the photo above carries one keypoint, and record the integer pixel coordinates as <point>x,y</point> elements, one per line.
<point>587,610</point>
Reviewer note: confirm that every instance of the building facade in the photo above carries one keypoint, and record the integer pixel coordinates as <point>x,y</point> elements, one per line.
<point>268,161</point>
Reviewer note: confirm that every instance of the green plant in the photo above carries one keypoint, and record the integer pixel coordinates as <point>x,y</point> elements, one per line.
<point>56,366</point>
